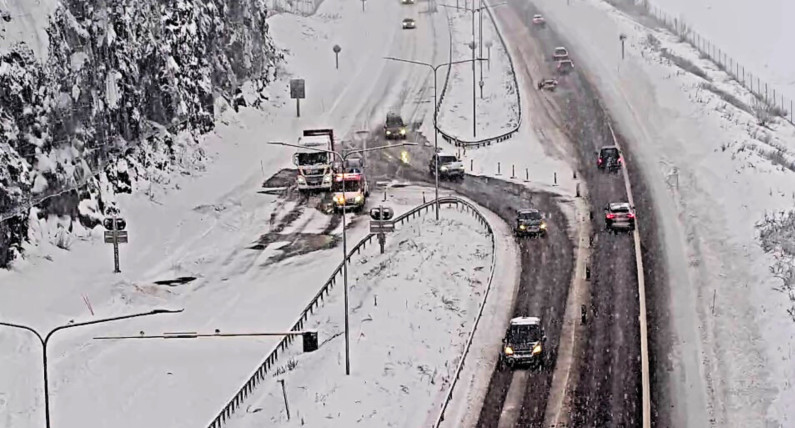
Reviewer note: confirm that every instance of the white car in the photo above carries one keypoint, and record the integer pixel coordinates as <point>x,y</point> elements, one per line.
<point>409,24</point>
<point>560,54</point>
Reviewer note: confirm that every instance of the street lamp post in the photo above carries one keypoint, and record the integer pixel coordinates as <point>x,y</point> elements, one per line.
<point>46,340</point>
<point>435,68</point>
<point>473,45</point>
<point>342,157</point>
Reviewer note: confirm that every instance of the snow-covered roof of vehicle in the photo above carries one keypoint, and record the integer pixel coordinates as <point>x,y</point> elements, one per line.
<point>622,206</point>
<point>537,16</point>
<point>525,321</point>
<point>561,48</point>
<point>445,154</point>
<point>314,140</point>
<point>408,20</point>
<point>527,211</point>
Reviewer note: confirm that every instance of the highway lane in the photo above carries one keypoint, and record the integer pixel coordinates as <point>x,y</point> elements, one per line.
<point>607,390</point>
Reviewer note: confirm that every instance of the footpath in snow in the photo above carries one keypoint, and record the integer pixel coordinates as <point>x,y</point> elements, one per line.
<point>497,110</point>
<point>411,311</point>
<point>721,181</point>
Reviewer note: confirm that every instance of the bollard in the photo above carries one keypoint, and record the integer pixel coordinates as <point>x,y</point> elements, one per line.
<point>590,241</point>
<point>513,171</point>
<point>578,190</point>
<point>590,214</point>
<point>583,314</point>
<point>471,164</point>
<point>588,273</point>
<point>498,168</point>
<point>423,197</point>
<point>526,175</point>
<point>384,195</point>
<point>575,175</point>
<point>556,178</point>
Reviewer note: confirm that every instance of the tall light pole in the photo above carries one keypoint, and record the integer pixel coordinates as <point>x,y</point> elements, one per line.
<point>46,340</point>
<point>473,45</point>
<point>435,68</point>
<point>342,157</point>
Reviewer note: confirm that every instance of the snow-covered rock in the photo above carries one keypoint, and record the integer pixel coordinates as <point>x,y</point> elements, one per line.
<point>121,79</point>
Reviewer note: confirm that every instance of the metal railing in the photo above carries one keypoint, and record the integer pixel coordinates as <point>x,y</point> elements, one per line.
<point>458,142</point>
<point>262,370</point>
<point>449,396</point>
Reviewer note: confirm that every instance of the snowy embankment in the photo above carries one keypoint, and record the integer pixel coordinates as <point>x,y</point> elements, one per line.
<point>497,110</point>
<point>756,34</point>
<point>716,174</point>
<point>411,310</point>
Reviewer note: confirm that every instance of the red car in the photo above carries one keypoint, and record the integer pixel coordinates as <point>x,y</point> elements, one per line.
<point>539,20</point>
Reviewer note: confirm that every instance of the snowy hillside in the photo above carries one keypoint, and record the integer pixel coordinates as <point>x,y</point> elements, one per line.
<point>115,99</point>
<point>757,34</point>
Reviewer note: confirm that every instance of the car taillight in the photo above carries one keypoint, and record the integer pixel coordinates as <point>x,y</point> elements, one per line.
<point>599,161</point>
<point>611,216</point>
<point>620,159</point>
<point>630,215</point>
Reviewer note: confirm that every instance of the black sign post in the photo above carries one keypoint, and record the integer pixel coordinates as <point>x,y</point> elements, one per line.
<point>297,92</point>
<point>115,235</point>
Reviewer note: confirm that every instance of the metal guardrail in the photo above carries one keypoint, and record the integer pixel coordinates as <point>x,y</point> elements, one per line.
<point>259,374</point>
<point>449,396</point>
<point>502,137</point>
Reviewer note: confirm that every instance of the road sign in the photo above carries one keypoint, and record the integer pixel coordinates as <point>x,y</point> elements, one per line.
<point>381,213</point>
<point>381,226</point>
<point>121,236</point>
<point>297,90</point>
<point>121,224</point>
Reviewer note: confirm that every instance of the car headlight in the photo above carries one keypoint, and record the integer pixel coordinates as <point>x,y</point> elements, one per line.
<point>388,132</point>
<point>522,227</point>
<point>444,168</point>
<point>340,199</point>
<point>327,178</point>
<point>537,349</point>
<point>301,179</point>
<point>358,198</point>
<point>508,350</point>
<point>403,131</point>
<point>543,225</point>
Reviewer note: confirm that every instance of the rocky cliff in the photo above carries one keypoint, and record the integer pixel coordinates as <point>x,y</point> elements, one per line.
<point>122,91</point>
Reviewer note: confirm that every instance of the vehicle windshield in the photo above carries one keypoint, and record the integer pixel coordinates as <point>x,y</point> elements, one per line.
<point>620,209</point>
<point>313,158</point>
<point>610,153</point>
<point>560,51</point>
<point>530,215</point>
<point>524,333</point>
<point>394,121</point>
<point>447,159</point>
<point>350,186</point>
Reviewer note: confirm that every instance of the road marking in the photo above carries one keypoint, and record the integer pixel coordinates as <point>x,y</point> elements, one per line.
<point>558,409</point>
<point>644,339</point>
<point>512,406</point>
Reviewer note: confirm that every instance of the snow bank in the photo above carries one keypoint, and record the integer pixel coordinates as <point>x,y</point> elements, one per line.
<point>411,310</point>
<point>26,21</point>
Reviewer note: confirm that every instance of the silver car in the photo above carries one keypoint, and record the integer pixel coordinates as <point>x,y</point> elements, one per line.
<point>619,216</point>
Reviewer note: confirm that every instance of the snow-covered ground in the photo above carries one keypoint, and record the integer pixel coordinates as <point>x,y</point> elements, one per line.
<point>497,111</point>
<point>715,174</point>
<point>204,224</point>
<point>411,312</point>
<point>756,34</point>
